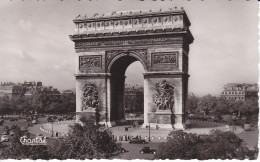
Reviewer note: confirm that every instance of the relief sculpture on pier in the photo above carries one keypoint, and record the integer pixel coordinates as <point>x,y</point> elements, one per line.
<point>164,97</point>
<point>90,96</point>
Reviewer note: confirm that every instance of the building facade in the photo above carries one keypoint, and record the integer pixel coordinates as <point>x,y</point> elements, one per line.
<point>27,89</point>
<point>240,91</point>
<point>134,99</point>
<point>11,89</point>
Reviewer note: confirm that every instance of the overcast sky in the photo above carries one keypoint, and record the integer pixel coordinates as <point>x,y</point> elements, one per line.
<point>35,44</point>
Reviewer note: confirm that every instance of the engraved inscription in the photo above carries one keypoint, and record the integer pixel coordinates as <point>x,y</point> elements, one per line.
<point>165,58</point>
<point>89,62</point>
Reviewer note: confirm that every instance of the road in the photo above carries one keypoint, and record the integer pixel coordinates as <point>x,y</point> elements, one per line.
<point>250,138</point>
<point>133,151</point>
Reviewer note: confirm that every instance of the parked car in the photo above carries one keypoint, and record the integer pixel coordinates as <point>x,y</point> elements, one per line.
<point>6,128</point>
<point>121,150</point>
<point>6,132</point>
<point>23,129</point>
<point>12,133</point>
<point>147,150</point>
<point>14,126</point>
<point>39,136</point>
<point>4,138</point>
<point>137,140</point>
<point>13,119</point>
<point>34,121</point>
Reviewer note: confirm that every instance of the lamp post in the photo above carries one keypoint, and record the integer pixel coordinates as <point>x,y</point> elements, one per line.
<point>51,127</point>
<point>149,133</point>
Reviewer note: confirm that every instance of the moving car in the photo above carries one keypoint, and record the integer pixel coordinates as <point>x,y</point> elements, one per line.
<point>147,150</point>
<point>13,119</point>
<point>34,121</point>
<point>2,122</point>
<point>4,138</point>
<point>12,133</point>
<point>39,136</point>
<point>137,140</point>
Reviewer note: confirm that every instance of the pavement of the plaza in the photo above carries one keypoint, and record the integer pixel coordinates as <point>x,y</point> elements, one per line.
<point>157,135</point>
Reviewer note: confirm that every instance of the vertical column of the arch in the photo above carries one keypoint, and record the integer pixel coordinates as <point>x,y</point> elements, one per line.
<point>78,101</point>
<point>146,102</point>
<point>166,80</point>
<point>109,121</point>
<point>91,86</point>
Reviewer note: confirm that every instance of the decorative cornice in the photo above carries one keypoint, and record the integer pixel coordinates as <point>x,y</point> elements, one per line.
<point>129,41</point>
<point>140,22</point>
<point>147,32</point>
<point>128,14</point>
<point>165,73</point>
<point>92,75</point>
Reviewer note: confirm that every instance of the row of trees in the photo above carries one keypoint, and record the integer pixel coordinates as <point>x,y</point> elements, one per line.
<point>39,102</point>
<point>85,141</point>
<point>219,105</point>
<point>88,141</point>
<point>217,145</point>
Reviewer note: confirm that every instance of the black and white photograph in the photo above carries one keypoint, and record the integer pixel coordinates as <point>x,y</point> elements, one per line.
<point>129,79</point>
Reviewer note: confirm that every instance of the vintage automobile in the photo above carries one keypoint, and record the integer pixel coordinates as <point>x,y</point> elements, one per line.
<point>4,138</point>
<point>13,119</point>
<point>147,150</point>
<point>12,133</point>
<point>137,141</point>
<point>34,121</point>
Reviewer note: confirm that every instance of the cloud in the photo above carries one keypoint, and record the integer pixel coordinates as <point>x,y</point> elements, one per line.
<point>25,25</point>
<point>20,54</point>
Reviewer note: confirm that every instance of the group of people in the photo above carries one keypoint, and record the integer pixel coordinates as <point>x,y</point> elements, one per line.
<point>125,137</point>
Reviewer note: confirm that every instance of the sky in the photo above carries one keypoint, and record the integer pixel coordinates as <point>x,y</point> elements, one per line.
<point>35,44</point>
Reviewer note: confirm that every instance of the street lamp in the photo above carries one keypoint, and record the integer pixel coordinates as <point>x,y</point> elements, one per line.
<point>149,133</point>
<point>51,127</point>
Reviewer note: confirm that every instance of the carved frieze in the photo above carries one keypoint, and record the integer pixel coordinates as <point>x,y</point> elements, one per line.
<point>127,42</point>
<point>90,62</point>
<point>164,97</point>
<point>172,20</point>
<point>90,96</point>
<point>164,58</point>
<point>111,54</point>
<point>142,53</point>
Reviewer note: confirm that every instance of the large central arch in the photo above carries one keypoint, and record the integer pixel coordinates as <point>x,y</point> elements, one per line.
<point>117,82</point>
<point>107,45</point>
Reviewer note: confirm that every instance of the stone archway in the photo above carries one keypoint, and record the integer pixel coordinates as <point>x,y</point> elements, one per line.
<point>105,46</point>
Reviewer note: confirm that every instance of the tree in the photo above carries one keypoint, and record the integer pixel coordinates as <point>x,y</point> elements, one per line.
<point>85,141</point>
<point>16,150</point>
<point>207,103</point>
<point>216,145</point>
<point>249,108</point>
<point>192,103</point>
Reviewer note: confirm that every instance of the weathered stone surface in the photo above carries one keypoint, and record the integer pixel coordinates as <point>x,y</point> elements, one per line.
<point>107,45</point>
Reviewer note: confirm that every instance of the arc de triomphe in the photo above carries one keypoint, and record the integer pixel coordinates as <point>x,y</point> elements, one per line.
<point>107,44</point>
